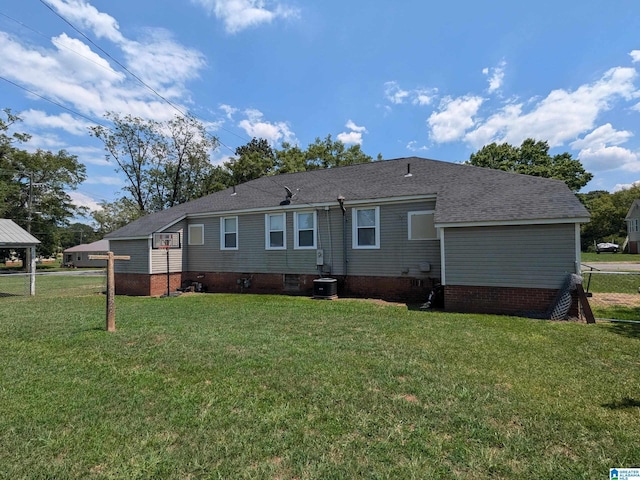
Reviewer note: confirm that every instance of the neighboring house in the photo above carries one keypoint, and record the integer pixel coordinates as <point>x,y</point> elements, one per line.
<point>633,227</point>
<point>78,256</point>
<point>499,242</point>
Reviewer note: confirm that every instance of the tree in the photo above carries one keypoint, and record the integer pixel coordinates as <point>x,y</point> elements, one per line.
<point>77,234</point>
<point>608,211</point>
<point>254,160</point>
<point>327,154</point>
<point>164,163</point>
<point>114,215</point>
<point>532,158</point>
<point>33,186</point>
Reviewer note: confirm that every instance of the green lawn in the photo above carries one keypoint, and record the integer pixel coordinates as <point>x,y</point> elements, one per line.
<point>591,257</point>
<point>243,386</point>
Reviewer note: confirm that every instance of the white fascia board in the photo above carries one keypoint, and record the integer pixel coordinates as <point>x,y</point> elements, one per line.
<point>501,223</point>
<point>311,205</point>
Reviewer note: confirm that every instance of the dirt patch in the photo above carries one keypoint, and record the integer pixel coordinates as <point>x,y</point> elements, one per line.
<point>615,299</point>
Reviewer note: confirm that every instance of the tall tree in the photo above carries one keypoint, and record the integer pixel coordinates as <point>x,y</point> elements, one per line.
<point>326,153</point>
<point>253,160</point>
<point>532,158</point>
<point>164,163</point>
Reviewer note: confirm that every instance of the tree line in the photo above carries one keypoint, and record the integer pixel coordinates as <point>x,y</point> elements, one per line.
<point>168,163</point>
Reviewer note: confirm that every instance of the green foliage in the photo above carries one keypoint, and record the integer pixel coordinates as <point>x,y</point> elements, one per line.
<point>532,158</point>
<point>608,211</point>
<point>230,386</point>
<point>253,160</point>
<point>164,163</point>
<point>114,215</point>
<point>33,187</point>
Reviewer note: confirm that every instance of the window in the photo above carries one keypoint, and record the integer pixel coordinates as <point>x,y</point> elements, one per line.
<point>275,231</point>
<point>305,228</point>
<point>366,227</point>
<point>229,233</point>
<point>196,234</point>
<point>421,226</point>
<point>634,225</point>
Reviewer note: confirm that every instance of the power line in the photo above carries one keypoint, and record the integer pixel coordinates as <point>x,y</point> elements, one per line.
<point>142,82</point>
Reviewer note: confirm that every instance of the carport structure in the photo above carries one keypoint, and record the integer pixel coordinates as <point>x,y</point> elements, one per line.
<point>13,236</point>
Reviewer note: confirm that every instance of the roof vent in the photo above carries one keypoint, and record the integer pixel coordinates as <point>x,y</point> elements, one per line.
<point>408,174</point>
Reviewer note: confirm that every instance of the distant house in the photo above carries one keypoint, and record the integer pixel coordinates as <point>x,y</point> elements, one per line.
<point>633,226</point>
<point>498,241</point>
<point>78,256</point>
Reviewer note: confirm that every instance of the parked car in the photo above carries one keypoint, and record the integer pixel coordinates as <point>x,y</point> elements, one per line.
<point>607,247</point>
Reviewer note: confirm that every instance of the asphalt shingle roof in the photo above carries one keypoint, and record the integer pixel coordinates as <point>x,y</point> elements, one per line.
<point>12,235</point>
<point>464,193</point>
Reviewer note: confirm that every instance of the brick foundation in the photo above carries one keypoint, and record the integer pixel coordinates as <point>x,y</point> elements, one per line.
<point>501,300</point>
<point>457,298</point>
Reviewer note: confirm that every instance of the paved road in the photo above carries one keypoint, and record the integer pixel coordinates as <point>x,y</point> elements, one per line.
<point>613,266</point>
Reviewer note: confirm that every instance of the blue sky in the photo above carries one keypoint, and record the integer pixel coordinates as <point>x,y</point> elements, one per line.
<point>436,80</point>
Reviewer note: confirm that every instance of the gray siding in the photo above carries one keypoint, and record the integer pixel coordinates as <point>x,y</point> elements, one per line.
<point>139,252</point>
<point>536,256</point>
<point>397,256</point>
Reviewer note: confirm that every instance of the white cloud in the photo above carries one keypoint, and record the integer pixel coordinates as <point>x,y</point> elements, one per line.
<point>238,15</point>
<point>601,158</point>
<point>422,97</point>
<point>561,116</point>
<point>352,126</point>
<point>104,180</point>
<point>496,76</point>
<point>603,135</point>
<point>72,74</point>
<point>626,186</point>
<point>454,118</point>
<point>86,16</point>
<point>354,137</point>
<point>414,146</point>
<point>228,110</point>
<point>255,126</point>
<point>394,93</point>
<point>82,200</point>
<point>38,119</point>
<point>635,56</point>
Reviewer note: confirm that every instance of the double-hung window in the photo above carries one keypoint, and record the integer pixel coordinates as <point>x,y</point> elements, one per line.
<point>229,233</point>
<point>275,227</point>
<point>305,230</point>
<point>366,227</point>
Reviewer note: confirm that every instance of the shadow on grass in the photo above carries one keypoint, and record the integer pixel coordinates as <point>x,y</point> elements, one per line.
<point>630,330</point>
<point>624,403</point>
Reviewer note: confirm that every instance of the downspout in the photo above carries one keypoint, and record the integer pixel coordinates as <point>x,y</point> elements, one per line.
<point>344,235</point>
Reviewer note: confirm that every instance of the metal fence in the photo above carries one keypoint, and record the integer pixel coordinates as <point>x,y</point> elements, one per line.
<point>53,284</point>
<point>613,294</point>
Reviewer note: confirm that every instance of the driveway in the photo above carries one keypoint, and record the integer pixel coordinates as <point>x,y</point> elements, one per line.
<point>612,266</point>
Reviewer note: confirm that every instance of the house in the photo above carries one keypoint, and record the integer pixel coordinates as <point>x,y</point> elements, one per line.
<point>497,241</point>
<point>78,256</point>
<point>13,237</point>
<point>633,227</point>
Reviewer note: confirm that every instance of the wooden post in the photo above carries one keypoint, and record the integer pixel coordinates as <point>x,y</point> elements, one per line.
<point>111,286</point>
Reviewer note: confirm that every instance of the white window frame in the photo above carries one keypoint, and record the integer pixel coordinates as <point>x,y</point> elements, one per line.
<point>355,227</point>
<point>223,233</point>
<point>297,230</point>
<point>634,225</point>
<point>267,231</point>
<point>199,226</point>
<point>410,233</point>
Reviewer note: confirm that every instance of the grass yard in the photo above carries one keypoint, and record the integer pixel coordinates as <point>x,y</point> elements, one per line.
<point>243,386</point>
<point>591,257</point>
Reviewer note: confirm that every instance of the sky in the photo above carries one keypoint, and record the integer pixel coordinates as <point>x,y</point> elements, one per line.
<point>407,78</point>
